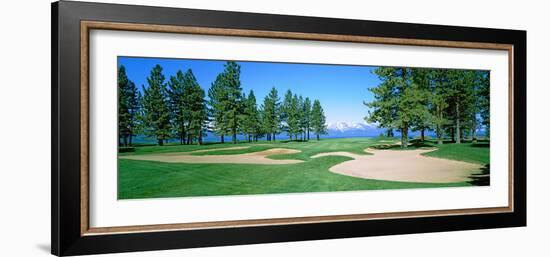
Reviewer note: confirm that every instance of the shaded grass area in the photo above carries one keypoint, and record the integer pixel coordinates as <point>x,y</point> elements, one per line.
<point>469,152</point>
<point>147,179</point>
<point>144,179</point>
<point>473,152</point>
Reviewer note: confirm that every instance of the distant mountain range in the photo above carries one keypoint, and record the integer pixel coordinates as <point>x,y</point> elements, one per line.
<point>352,129</point>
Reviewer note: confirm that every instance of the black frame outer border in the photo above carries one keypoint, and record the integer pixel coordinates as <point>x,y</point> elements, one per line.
<point>65,166</point>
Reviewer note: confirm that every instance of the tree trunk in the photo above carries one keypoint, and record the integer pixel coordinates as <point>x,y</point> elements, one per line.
<point>308,134</point>
<point>234,136</point>
<point>273,137</point>
<point>125,140</point>
<point>404,137</point>
<point>439,136</point>
<point>199,141</point>
<point>317,137</point>
<point>130,140</point>
<point>457,129</point>
<point>160,141</point>
<point>438,129</point>
<point>183,134</point>
<point>422,135</point>
<point>223,139</point>
<point>474,128</point>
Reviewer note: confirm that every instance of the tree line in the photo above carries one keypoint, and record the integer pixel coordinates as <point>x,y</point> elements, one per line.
<point>178,108</point>
<point>451,103</point>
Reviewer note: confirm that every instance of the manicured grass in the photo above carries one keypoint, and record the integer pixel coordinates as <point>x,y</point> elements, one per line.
<point>146,179</point>
<point>142,179</point>
<point>468,152</point>
<point>308,148</point>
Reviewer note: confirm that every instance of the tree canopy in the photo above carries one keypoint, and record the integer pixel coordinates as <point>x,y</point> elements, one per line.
<point>180,109</point>
<point>449,102</point>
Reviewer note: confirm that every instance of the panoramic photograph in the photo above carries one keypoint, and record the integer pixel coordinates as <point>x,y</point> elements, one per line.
<point>191,127</point>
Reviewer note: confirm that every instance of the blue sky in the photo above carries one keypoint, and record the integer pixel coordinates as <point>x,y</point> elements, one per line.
<point>340,88</point>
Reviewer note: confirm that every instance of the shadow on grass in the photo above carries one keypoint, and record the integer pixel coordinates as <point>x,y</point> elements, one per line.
<point>414,144</point>
<point>293,140</point>
<point>483,178</point>
<point>480,145</point>
<point>386,147</point>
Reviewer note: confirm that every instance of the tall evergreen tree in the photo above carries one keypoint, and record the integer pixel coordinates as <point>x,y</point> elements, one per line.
<point>179,105</point>
<point>270,114</point>
<point>286,113</point>
<point>233,103</point>
<point>251,122</point>
<point>294,118</point>
<point>218,98</point>
<point>396,103</point>
<point>420,80</point>
<point>300,117</point>
<point>382,111</point>
<point>438,86</point>
<point>306,120</point>
<point>134,107</point>
<point>318,119</point>
<point>460,95</point>
<point>484,99</point>
<point>128,108</point>
<point>197,109</point>
<point>123,107</point>
<point>156,114</point>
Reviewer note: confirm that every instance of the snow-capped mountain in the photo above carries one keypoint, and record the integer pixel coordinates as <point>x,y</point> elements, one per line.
<point>352,129</point>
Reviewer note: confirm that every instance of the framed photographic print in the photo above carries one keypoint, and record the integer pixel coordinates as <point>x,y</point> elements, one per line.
<point>177,128</point>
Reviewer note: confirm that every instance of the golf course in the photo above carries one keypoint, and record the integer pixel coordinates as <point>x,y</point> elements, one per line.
<point>192,127</point>
<point>326,165</point>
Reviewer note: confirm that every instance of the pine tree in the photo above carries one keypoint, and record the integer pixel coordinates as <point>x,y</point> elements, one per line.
<point>134,107</point>
<point>123,108</point>
<point>397,104</point>
<point>197,109</point>
<point>420,80</point>
<point>438,86</point>
<point>300,117</point>
<point>318,119</point>
<point>286,115</point>
<point>484,99</point>
<point>128,108</point>
<point>294,118</point>
<point>233,103</point>
<point>156,114</point>
<point>381,110</point>
<point>251,123</point>
<point>218,109</point>
<point>179,105</point>
<point>460,94</point>
<point>306,121</point>
<point>270,114</point>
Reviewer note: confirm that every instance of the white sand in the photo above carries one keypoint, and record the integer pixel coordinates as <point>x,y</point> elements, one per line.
<point>247,158</point>
<point>403,165</point>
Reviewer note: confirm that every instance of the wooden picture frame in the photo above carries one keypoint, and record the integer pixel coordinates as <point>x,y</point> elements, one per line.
<point>71,24</point>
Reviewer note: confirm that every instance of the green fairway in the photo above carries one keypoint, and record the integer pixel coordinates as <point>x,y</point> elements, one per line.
<point>150,179</point>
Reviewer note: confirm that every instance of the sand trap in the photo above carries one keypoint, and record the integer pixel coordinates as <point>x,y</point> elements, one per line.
<point>403,165</point>
<point>247,158</point>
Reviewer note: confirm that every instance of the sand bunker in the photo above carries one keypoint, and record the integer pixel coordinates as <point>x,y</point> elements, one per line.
<point>247,158</point>
<point>403,165</point>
